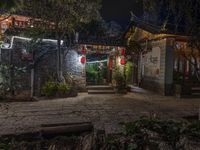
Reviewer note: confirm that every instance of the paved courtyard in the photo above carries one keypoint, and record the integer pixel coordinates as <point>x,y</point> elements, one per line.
<point>104,111</point>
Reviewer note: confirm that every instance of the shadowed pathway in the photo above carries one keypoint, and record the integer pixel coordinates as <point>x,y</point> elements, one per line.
<point>104,111</point>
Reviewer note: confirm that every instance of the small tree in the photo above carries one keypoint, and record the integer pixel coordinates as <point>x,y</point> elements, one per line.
<point>61,18</point>
<point>8,7</point>
<point>134,50</point>
<point>8,85</point>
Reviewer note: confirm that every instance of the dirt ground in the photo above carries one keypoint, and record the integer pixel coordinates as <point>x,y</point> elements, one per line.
<point>104,111</point>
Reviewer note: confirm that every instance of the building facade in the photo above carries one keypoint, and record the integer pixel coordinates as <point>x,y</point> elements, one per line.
<point>165,59</point>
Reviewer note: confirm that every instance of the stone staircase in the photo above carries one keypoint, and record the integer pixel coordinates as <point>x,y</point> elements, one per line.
<point>100,89</point>
<point>195,91</point>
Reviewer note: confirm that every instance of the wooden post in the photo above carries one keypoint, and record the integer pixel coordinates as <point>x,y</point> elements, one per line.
<point>199,113</point>
<point>58,129</point>
<point>11,75</point>
<point>32,82</point>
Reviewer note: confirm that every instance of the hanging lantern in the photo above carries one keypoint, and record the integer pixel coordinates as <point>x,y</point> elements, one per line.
<point>110,64</point>
<point>83,59</point>
<point>123,52</point>
<point>83,50</point>
<point>123,61</point>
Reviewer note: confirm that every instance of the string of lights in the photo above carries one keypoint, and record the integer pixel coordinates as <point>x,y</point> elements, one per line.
<point>101,61</point>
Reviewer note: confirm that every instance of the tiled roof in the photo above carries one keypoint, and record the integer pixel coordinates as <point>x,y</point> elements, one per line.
<point>155,28</point>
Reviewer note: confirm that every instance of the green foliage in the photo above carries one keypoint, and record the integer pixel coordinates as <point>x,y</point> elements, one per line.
<point>178,77</point>
<point>60,19</point>
<point>95,73</point>
<point>52,89</point>
<point>149,132</point>
<point>142,134</point>
<point>129,71</point>
<point>92,73</point>
<point>71,13</point>
<point>63,88</point>
<point>134,48</point>
<point>193,130</point>
<point>9,75</point>
<point>49,89</point>
<point>119,78</point>
<point>9,4</point>
<point>5,146</point>
<point>131,128</point>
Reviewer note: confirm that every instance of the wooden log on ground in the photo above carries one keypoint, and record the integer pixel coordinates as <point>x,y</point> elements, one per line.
<point>61,129</point>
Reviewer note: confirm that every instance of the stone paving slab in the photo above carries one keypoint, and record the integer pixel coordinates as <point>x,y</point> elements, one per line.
<point>104,111</point>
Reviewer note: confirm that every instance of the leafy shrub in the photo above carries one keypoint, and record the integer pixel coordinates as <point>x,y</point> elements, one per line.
<point>193,130</point>
<point>10,84</point>
<point>119,79</point>
<point>95,74</point>
<point>149,133</point>
<point>63,89</point>
<point>49,89</point>
<point>52,89</point>
<point>129,71</point>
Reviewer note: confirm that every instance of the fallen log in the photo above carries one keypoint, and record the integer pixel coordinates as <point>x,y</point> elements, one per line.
<point>61,129</point>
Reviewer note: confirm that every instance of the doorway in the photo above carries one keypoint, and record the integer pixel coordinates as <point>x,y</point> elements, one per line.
<point>97,70</point>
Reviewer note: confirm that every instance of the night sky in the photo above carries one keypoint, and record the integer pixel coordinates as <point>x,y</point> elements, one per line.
<point>119,10</point>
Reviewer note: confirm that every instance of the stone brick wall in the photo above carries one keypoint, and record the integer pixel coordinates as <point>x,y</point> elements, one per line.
<point>45,67</point>
<point>73,66</point>
<point>13,57</point>
<point>45,70</point>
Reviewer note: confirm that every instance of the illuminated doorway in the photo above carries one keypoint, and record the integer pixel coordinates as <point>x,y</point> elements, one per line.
<point>97,69</point>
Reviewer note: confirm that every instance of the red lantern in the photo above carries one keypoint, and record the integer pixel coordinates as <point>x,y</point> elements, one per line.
<point>83,50</point>
<point>123,61</point>
<point>123,52</point>
<point>110,63</point>
<point>83,59</point>
<point>117,56</point>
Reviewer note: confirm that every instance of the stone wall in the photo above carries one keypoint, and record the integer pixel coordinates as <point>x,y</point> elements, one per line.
<point>21,80</point>
<point>169,67</point>
<point>44,71</point>
<point>162,81</point>
<point>73,66</point>
<point>45,66</point>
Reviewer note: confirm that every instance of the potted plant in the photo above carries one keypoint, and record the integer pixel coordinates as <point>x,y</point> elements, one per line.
<point>120,82</point>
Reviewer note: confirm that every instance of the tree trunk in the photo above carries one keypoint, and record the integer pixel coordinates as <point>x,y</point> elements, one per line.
<point>32,82</point>
<point>59,61</point>
<point>12,92</point>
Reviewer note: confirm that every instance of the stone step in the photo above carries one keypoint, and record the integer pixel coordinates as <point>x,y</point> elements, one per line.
<point>100,87</point>
<point>195,88</point>
<point>195,92</point>
<point>101,92</point>
<point>191,96</point>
